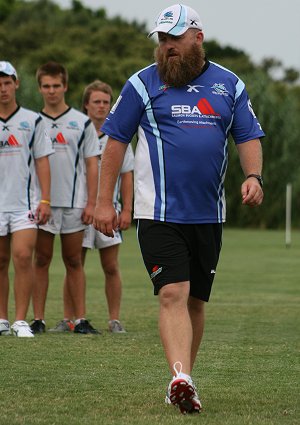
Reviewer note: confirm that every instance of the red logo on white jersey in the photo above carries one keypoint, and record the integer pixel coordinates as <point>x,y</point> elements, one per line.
<point>60,139</point>
<point>12,141</point>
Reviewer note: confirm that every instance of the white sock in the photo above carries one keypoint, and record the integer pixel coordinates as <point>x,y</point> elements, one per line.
<point>184,376</point>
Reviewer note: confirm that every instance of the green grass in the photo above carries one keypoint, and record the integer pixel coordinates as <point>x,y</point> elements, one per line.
<point>248,366</point>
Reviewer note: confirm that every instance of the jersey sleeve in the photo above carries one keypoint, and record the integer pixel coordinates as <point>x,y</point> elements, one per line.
<point>245,125</point>
<point>124,118</point>
<point>91,141</point>
<point>128,163</point>
<point>42,145</point>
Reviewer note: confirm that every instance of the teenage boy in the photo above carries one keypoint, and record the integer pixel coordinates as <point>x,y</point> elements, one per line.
<point>24,197</point>
<point>74,169</point>
<point>96,103</point>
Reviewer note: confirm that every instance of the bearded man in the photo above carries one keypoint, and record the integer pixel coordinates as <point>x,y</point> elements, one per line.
<point>183,108</point>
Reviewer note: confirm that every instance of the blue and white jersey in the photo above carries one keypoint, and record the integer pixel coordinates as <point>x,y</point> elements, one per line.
<point>127,166</point>
<point>74,139</point>
<point>182,151</point>
<point>23,139</point>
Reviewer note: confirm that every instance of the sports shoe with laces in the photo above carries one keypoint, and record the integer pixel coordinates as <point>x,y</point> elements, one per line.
<point>182,393</point>
<point>116,327</point>
<point>38,326</point>
<point>4,327</point>
<point>63,326</point>
<point>21,329</point>
<point>84,327</point>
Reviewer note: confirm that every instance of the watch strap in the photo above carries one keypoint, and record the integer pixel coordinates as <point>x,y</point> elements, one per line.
<point>258,177</point>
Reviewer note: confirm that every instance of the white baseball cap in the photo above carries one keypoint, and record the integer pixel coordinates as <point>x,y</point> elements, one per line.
<point>8,69</point>
<point>176,20</point>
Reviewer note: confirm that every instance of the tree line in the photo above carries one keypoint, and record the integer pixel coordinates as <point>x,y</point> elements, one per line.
<point>93,46</point>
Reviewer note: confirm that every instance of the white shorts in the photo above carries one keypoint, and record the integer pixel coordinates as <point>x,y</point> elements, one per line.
<point>94,239</point>
<point>64,220</point>
<point>11,222</point>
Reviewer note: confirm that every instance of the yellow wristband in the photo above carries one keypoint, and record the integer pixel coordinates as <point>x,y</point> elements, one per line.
<point>44,201</point>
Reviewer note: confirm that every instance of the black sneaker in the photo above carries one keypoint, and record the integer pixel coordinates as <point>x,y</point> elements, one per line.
<point>84,327</point>
<point>38,326</point>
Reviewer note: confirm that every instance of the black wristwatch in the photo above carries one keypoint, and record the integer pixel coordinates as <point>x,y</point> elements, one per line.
<point>258,177</point>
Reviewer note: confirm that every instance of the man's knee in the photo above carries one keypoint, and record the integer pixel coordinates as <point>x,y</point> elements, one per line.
<point>4,262</point>
<point>23,258</point>
<point>73,262</point>
<point>42,260</point>
<point>174,293</point>
<point>110,268</point>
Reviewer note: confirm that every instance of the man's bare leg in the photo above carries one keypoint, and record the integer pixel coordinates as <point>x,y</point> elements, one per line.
<point>4,281</point>
<point>22,244</point>
<point>42,261</point>
<point>196,309</point>
<point>175,325</point>
<point>113,284</point>
<point>75,279</point>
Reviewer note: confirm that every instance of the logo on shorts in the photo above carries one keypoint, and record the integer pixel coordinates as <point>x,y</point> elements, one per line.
<point>30,216</point>
<point>155,271</point>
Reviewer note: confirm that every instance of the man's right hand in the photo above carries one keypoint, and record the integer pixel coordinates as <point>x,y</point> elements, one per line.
<point>105,218</point>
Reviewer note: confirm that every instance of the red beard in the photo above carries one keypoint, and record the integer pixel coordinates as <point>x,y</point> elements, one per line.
<point>177,71</point>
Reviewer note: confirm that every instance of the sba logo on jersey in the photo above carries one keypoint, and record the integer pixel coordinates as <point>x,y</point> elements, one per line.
<point>59,139</point>
<point>203,109</point>
<point>11,142</point>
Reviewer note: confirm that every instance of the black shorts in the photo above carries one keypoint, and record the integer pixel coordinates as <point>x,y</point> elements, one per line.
<point>181,252</point>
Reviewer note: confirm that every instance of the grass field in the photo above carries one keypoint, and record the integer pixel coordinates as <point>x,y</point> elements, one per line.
<point>247,371</point>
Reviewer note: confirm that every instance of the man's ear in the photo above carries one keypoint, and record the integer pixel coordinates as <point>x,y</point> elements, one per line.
<point>200,36</point>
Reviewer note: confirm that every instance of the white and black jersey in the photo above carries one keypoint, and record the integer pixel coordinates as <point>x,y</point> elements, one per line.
<point>74,139</point>
<point>23,139</point>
